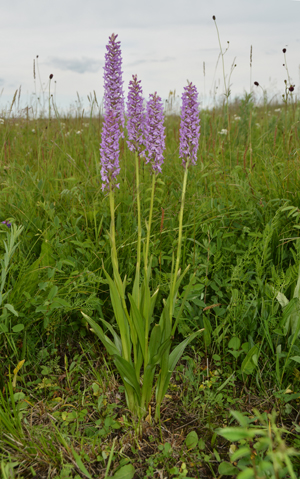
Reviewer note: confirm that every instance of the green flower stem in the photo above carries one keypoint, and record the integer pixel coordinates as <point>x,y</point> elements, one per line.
<point>114,255</point>
<point>136,292</point>
<point>146,279</point>
<point>149,224</point>
<point>117,279</point>
<point>174,279</point>
<point>138,201</point>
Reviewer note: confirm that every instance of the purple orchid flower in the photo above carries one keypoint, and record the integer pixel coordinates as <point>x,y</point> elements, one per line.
<point>135,115</point>
<point>155,132</point>
<point>190,125</point>
<point>113,83</point>
<point>113,114</point>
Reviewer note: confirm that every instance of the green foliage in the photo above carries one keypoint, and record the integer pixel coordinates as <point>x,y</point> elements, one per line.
<point>261,451</point>
<point>240,237</point>
<point>138,344</point>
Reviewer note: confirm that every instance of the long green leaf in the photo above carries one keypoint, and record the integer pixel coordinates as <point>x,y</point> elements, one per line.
<point>162,387</point>
<point>109,345</point>
<point>178,351</point>
<point>155,340</point>
<point>120,316</point>
<point>80,464</point>
<point>136,286</point>
<point>160,352</point>
<point>147,386</point>
<point>127,373</point>
<point>152,305</point>
<point>146,292</point>
<point>138,322</point>
<point>164,321</point>
<point>118,342</point>
<point>174,357</point>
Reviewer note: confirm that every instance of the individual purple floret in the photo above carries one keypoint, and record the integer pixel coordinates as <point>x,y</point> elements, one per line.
<point>155,132</point>
<point>113,91</point>
<point>190,125</point>
<point>7,223</point>
<point>135,115</point>
<point>110,150</point>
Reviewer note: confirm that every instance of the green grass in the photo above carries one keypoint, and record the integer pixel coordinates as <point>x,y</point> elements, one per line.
<point>66,416</point>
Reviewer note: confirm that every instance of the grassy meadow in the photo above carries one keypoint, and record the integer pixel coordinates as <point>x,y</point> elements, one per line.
<point>62,410</point>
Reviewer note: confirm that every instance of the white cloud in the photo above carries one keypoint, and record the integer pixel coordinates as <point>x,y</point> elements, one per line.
<point>164,42</point>
<point>78,65</point>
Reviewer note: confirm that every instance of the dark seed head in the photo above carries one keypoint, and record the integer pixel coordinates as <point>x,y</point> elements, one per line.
<point>292,88</point>
<point>284,50</point>
<point>256,83</point>
<point>214,17</point>
<point>51,76</point>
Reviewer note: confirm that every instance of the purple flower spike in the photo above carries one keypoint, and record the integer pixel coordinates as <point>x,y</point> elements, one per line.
<point>110,150</point>
<point>190,125</point>
<point>135,115</point>
<point>113,91</point>
<point>113,114</point>
<point>155,132</point>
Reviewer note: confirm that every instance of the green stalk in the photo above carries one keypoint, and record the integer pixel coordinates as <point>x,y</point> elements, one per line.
<point>114,255</point>
<point>146,280</point>
<point>49,100</point>
<point>138,201</point>
<point>174,279</point>
<point>149,224</point>
<point>114,258</point>
<point>136,291</point>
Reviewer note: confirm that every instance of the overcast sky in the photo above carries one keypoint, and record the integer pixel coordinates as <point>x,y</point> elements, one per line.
<point>164,42</point>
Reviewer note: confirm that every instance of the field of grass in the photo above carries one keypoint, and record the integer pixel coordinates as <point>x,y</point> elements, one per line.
<point>63,413</point>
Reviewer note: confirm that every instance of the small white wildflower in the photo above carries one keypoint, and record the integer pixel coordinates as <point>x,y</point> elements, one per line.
<point>78,132</point>
<point>236,118</point>
<point>33,130</point>
<point>223,131</point>
<point>1,121</point>
<point>67,134</point>
<point>86,125</point>
<point>277,109</point>
<point>258,125</point>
